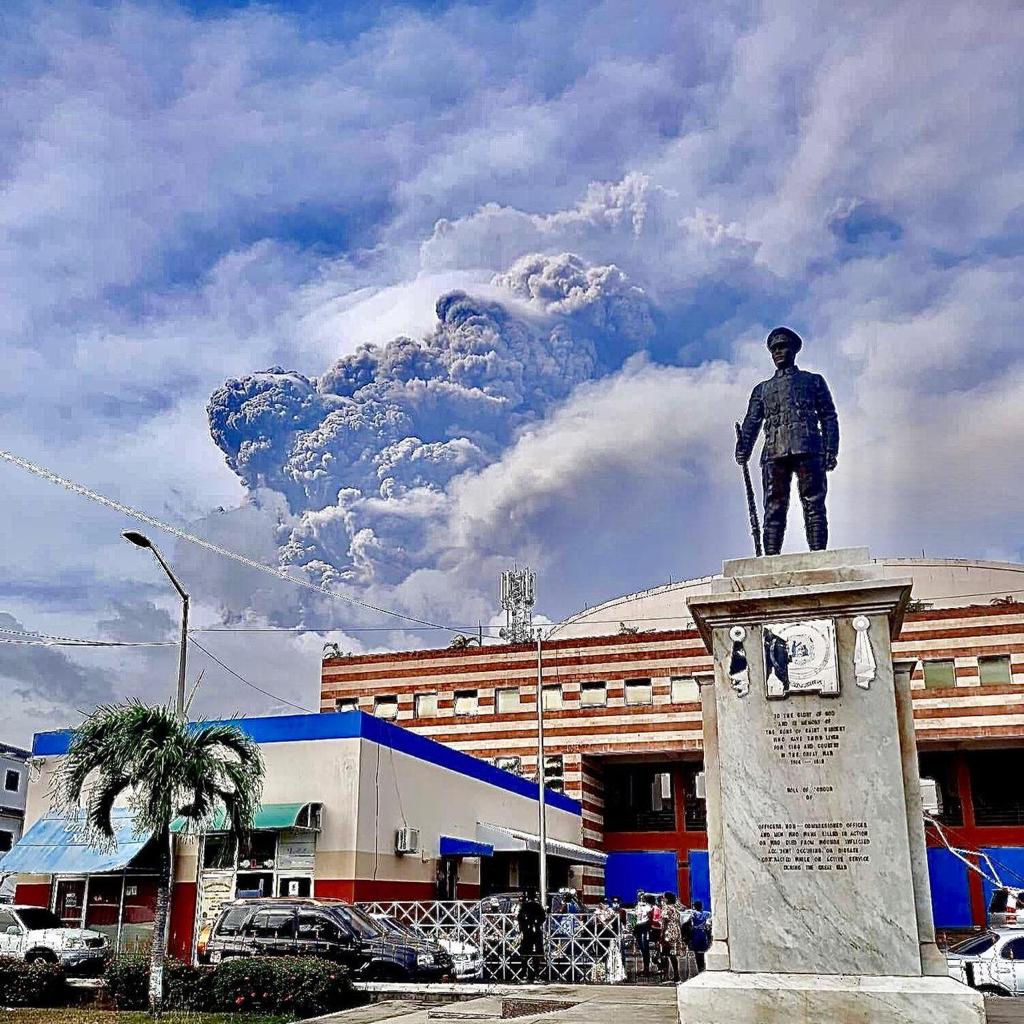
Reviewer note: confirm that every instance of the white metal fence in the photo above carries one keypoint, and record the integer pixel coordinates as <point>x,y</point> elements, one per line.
<point>578,948</point>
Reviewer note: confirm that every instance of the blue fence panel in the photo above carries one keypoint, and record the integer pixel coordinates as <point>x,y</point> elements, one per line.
<point>700,878</point>
<point>625,873</point>
<point>951,902</point>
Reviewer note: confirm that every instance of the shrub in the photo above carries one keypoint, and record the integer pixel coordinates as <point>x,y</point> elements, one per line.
<point>38,984</point>
<point>306,986</point>
<point>127,978</point>
<point>186,987</point>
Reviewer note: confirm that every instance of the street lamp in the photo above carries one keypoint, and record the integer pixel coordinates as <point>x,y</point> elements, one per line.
<point>142,541</point>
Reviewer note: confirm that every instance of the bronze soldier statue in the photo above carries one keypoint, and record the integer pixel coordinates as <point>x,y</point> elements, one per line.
<point>801,437</point>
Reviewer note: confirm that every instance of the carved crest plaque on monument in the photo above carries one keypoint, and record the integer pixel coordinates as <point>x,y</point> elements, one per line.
<point>800,657</point>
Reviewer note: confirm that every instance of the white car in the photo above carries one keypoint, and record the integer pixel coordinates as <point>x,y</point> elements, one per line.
<point>992,962</point>
<point>467,963</point>
<point>466,959</point>
<point>35,934</point>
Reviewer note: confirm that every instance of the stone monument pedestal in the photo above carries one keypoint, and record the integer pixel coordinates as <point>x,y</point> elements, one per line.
<point>821,908</point>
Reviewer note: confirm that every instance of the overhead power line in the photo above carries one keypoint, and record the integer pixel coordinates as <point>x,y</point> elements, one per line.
<point>20,636</point>
<point>143,517</point>
<point>242,679</point>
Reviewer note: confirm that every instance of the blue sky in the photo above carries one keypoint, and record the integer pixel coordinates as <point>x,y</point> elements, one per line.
<point>628,198</point>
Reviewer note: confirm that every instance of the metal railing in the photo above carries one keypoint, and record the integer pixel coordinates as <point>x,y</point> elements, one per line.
<point>578,948</point>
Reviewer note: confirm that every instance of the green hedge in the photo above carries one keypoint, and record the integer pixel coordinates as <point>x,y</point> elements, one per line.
<point>305,986</point>
<point>38,984</point>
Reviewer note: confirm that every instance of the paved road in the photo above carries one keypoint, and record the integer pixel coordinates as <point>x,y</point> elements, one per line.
<point>1004,1011</point>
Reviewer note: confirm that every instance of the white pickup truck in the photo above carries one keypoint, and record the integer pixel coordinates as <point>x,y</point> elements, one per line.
<point>36,934</point>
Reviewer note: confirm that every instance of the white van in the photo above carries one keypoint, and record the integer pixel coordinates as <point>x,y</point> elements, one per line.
<point>35,934</point>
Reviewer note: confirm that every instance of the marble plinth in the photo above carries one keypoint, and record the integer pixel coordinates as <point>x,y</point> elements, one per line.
<point>815,831</point>
<point>731,998</point>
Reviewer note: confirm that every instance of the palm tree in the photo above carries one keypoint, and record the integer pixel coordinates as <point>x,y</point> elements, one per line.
<point>165,769</point>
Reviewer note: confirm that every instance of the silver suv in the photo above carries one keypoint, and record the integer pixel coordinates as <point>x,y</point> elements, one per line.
<point>35,934</point>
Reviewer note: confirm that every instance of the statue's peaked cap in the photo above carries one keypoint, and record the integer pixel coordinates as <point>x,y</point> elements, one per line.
<point>785,333</point>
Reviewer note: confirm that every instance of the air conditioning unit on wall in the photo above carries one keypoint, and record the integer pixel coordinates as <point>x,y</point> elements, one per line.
<point>407,840</point>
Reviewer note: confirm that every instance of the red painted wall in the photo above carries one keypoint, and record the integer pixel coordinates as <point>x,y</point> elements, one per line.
<point>36,894</point>
<point>183,916</point>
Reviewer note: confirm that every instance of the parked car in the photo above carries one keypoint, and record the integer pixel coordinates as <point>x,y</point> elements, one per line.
<point>991,962</point>
<point>317,927</point>
<point>35,934</point>
<point>1006,907</point>
<point>467,963</point>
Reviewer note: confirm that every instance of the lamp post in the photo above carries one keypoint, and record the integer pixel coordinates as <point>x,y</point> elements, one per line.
<point>142,541</point>
<point>541,797</point>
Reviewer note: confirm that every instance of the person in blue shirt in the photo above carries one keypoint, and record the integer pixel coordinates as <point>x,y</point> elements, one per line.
<point>700,941</point>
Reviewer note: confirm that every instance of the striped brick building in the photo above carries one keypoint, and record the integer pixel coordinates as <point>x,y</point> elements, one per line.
<point>623,725</point>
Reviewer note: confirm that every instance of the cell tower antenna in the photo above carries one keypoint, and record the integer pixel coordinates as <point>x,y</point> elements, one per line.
<point>517,597</point>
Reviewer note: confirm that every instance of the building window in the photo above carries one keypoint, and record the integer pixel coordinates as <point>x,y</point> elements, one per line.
<point>684,690</point>
<point>593,695</point>
<point>553,698</point>
<point>695,811</point>
<point>639,691</point>
<point>939,675</point>
<point>554,772</point>
<point>386,706</point>
<point>346,704</point>
<point>638,798</point>
<point>426,705</point>
<point>507,700</point>
<point>12,780</point>
<point>994,670</point>
<point>940,765</point>
<point>6,840</point>
<point>467,702</point>
<point>998,799</point>
<point>509,764</point>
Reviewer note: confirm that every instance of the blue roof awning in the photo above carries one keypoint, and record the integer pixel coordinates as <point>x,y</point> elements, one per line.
<point>56,846</point>
<point>451,846</point>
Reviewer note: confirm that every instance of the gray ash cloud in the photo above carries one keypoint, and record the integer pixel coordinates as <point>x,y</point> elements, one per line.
<point>364,453</point>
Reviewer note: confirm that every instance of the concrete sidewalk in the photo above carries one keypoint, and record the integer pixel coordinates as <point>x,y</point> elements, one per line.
<point>534,1004</point>
<point>592,1004</point>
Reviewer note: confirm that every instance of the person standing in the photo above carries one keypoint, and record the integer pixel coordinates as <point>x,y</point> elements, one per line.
<point>531,929</point>
<point>700,942</point>
<point>642,929</point>
<point>671,935</point>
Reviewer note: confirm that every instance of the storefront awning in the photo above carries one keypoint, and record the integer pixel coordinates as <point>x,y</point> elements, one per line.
<point>269,816</point>
<point>452,846</point>
<point>506,840</point>
<point>56,846</point>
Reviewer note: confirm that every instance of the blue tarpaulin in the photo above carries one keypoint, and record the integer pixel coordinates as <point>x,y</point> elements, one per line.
<point>56,846</point>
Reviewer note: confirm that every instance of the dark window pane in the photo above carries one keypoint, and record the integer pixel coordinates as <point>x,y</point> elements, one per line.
<point>975,945</point>
<point>272,924</point>
<point>998,799</point>
<point>639,798</point>
<point>12,780</point>
<point>218,851</point>
<point>940,765</point>
<point>1013,950</point>
<point>233,920</point>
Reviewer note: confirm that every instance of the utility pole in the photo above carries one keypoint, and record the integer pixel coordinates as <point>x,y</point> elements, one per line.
<point>541,796</point>
<point>517,598</point>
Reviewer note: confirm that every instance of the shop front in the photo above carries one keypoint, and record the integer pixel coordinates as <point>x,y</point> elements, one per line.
<point>109,889</point>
